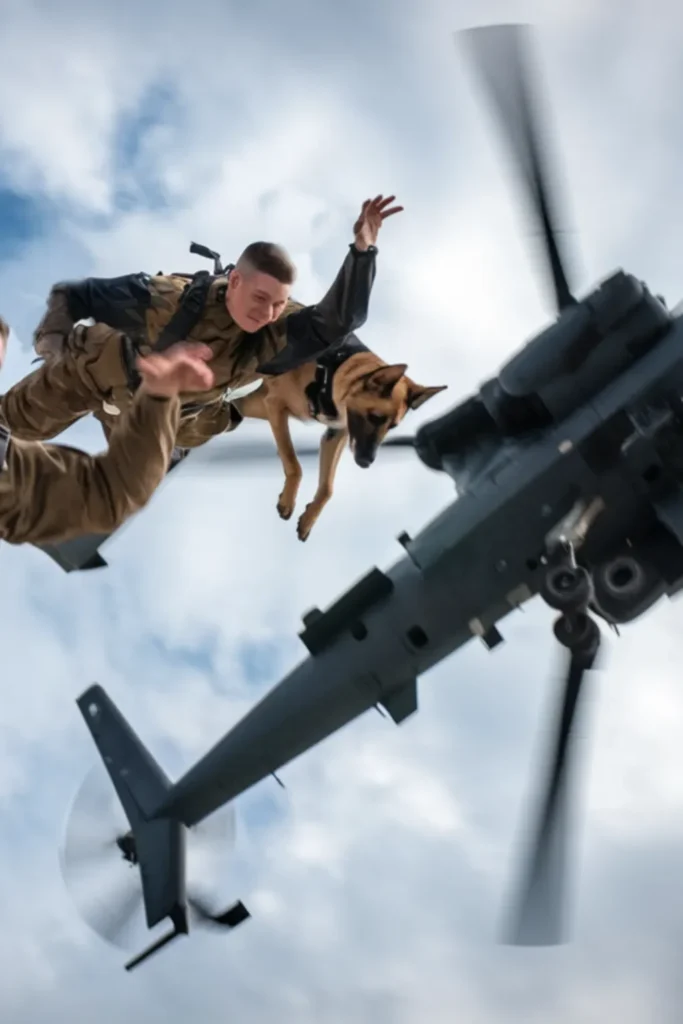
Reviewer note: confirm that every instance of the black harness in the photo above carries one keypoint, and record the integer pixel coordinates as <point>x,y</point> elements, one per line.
<point>189,310</point>
<point>188,313</point>
<point>319,391</point>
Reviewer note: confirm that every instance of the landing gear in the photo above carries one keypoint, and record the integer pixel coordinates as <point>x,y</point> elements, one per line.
<point>579,633</point>
<point>567,588</point>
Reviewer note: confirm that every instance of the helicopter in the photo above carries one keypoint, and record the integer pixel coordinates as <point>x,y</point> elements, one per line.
<point>568,471</point>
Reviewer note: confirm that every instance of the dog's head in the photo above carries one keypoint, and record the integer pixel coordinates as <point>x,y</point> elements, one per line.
<point>376,403</point>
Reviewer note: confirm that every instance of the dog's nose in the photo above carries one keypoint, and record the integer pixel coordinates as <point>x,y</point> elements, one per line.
<point>364,461</point>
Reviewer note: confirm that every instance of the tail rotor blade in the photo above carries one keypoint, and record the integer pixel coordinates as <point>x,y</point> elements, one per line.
<point>501,55</point>
<point>539,915</point>
<point>105,889</point>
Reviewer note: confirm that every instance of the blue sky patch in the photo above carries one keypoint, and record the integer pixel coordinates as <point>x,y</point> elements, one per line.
<point>136,149</point>
<point>23,218</point>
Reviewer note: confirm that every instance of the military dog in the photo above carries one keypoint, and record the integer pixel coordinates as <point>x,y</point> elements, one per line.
<point>355,394</point>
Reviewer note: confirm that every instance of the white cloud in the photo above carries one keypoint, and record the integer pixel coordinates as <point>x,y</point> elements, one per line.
<point>378,889</point>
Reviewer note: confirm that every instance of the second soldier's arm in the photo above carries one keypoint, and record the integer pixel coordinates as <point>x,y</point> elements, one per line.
<point>55,492</point>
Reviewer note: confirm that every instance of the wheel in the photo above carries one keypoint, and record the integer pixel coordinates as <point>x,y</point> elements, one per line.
<point>567,588</point>
<point>622,578</point>
<point>576,632</point>
<point>625,587</point>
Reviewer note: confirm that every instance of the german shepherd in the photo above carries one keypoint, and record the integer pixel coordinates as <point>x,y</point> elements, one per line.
<point>355,394</point>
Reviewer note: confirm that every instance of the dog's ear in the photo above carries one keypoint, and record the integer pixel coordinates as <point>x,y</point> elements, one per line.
<point>417,395</point>
<point>385,378</point>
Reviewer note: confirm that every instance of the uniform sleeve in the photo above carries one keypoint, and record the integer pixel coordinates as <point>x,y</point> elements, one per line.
<point>312,330</point>
<point>119,302</point>
<point>51,493</point>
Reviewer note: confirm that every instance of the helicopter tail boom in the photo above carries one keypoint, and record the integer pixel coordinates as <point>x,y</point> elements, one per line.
<point>141,785</point>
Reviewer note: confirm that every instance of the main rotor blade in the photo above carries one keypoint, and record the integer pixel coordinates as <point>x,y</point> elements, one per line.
<point>539,915</point>
<point>266,451</point>
<point>501,54</point>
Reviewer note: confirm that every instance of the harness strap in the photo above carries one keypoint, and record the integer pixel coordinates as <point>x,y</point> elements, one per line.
<point>189,311</point>
<point>187,315</point>
<point>319,391</point>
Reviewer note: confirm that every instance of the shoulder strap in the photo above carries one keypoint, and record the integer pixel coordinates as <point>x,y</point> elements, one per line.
<point>189,311</point>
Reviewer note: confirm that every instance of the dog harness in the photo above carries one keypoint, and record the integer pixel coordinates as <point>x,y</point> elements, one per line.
<point>319,391</point>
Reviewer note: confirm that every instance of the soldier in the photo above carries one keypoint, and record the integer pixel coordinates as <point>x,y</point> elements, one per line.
<point>51,492</point>
<point>246,316</point>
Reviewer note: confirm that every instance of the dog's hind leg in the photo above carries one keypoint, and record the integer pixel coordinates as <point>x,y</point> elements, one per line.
<point>331,447</point>
<point>278,417</point>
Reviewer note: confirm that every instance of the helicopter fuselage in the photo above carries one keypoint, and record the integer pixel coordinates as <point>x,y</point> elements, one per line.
<point>615,460</point>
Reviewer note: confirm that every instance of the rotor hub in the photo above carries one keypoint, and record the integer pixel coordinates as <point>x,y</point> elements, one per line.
<point>126,845</point>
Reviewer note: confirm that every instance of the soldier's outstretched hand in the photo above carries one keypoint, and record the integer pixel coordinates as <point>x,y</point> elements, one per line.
<point>181,368</point>
<point>372,215</point>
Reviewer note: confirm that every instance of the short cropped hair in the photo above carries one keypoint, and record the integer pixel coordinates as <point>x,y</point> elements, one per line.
<point>267,258</point>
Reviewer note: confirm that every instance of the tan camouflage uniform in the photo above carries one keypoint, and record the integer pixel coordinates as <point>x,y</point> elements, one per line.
<point>51,493</point>
<point>85,369</point>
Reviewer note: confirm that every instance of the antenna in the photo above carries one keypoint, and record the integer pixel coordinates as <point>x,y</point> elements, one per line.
<point>209,254</point>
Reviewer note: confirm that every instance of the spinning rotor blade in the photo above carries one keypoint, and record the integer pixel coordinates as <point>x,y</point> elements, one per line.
<point>106,888</point>
<point>503,62</point>
<point>265,451</point>
<point>224,919</point>
<point>538,919</point>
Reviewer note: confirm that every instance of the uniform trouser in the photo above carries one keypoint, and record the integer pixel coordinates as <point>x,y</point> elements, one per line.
<point>87,377</point>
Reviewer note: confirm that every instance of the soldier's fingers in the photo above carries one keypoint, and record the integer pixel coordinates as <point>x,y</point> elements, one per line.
<point>193,348</point>
<point>391,212</point>
<point>193,370</point>
<point>381,201</point>
<point>149,365</point>
<point>202,377</point>
<point>187,361</point>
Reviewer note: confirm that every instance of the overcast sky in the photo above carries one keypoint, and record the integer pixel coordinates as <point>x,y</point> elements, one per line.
<point>378,880</point>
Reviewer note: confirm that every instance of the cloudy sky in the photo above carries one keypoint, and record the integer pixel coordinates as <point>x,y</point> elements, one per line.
<point>378,879</point>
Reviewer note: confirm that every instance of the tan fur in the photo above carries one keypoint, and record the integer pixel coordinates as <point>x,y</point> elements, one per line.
<point>364,387</point>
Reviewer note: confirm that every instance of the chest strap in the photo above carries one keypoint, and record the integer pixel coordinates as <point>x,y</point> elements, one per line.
<point>186,317</point>
<point>319,393</point>
<point>189,311</point>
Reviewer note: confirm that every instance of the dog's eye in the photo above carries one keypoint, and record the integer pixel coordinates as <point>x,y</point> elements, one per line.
<point>376,420</point>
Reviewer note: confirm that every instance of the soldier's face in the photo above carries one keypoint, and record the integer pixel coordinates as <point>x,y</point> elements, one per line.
<point>255,300</point>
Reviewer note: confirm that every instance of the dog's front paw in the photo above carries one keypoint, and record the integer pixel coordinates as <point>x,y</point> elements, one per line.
<point>284,508</point>
<point>307,521</point>
<point>286,503</point>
